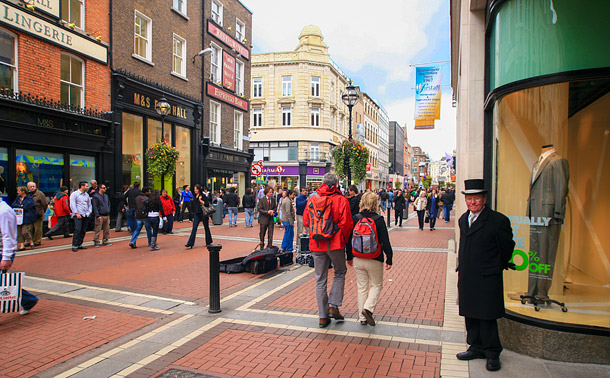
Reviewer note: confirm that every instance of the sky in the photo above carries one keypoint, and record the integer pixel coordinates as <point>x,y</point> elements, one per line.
<point>377,44</point>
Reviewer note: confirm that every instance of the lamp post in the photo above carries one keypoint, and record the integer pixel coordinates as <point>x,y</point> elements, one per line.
<point>350,98</point>
<point>204,142</point>
<point>163,108</point>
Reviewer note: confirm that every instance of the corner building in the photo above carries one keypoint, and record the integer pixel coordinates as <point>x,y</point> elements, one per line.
<point>55,128</point>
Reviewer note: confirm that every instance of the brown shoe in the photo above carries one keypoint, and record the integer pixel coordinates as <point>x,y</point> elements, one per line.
<point>335,314</point>
<point>324,322</point>
<point>369,317</point>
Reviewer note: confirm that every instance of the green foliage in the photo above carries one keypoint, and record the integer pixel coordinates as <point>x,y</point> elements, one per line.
<point>427,181</point>
<point>161,159</point>
<point>397,184</point>
<point>358,156</point>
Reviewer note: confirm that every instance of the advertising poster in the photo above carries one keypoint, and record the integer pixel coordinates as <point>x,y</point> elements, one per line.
<point>427,96</point>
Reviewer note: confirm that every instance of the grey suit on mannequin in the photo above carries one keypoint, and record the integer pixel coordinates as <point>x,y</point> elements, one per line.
<point>548,192</point>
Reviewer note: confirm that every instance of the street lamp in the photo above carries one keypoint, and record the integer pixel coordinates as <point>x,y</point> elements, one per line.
<point>350,98</point>
<point>163,108</point>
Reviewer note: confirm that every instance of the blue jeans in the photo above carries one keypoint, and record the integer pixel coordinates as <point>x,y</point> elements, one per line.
<point>152,227</point>
<point>384,203</point>
<point>249,216</point>
<point>135,231</point>
<point>80,228</point>
<point>28,300</point>
<point>288,236</point>
<point>232,216</point>
<point>206,225</point>
<point>447,209</point>
<point>131,219</point>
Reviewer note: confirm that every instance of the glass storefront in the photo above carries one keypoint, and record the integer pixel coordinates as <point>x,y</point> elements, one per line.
<point>183,166</point>
<point>4,173</point>
<point>132,149</point>
<point>154,133</point>
<point>82,168</point>
<point>43,168</point>
<point>551,167</point>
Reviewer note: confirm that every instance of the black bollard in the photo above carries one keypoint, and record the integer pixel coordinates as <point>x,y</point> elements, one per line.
<point>388,217</point>
<point>214,250</point>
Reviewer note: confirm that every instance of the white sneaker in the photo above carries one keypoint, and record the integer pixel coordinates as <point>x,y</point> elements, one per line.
<point>24,312</point>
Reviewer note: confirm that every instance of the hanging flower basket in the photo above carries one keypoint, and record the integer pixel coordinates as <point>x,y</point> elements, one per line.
<point>358,155</point>
<point>161,159</point>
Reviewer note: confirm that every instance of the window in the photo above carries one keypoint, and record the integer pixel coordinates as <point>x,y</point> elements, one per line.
<point>215,65</point>
<point>8,62</point>
<point>238,130</point>
<point>179,60</point>
<point>314,152</point>
<point>156,132</point>
<point>142,34</point>
<point>73,11</point>
<point>315,116</point>
<point>286,85</point>
<point>72,92</point>
<point>180,6</point>
<point>257,117</point>
<point>257,87</point>
<point>332,122</point>
<point>214,122</point>
<point>239,78</point>
<point>217,12</point>
<point>332,93</point>
<point>240,30</point>
<point>183,165</point>
<point>132,149</point>
<point>43,168</point>
<point>286,115</point>
<point>315,86</point>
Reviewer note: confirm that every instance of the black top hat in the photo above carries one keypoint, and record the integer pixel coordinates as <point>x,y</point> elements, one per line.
<point>474,186</point>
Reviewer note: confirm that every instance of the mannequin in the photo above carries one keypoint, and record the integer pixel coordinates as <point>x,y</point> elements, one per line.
<point>547,199</point>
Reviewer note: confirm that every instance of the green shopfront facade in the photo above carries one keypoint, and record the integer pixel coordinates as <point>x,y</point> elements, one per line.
<point>547,164</point>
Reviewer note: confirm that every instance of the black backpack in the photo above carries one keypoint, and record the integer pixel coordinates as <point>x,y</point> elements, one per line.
<point>141,207</point>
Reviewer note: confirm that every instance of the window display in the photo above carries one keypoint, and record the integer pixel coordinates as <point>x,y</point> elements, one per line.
<point>551,166</point>
<point>133,126</point>
<point>183,166</point>
<point>82,168</point>
<point>4,173</point>
<point>43,168</point>
<point>154,136</point>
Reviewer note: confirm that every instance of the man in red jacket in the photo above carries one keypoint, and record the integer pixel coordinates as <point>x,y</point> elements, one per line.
<point>62,212</point>
<point>327,250</point>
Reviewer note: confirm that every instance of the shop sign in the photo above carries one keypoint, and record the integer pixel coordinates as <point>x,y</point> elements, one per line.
<point>50,7</point>
<point>228,40</point>
<point>316,171</point>
<point>37,26</point>
<point>226,97</point>
<point>279,170</point>
<point>149,102</point>
<point>228,71</point>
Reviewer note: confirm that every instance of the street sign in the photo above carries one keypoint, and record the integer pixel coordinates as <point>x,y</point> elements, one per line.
<point>280,169</point>
<point>256,169</point>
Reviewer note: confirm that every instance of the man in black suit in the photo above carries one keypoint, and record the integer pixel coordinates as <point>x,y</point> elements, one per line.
<point>486,247</point>
<point>266,208</point>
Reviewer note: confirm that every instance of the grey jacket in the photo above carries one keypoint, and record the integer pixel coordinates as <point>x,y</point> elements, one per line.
<point>287,213</point>
<point>549,189</point>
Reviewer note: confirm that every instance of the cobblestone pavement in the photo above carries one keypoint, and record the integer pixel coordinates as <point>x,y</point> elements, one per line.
<point>151,317</point>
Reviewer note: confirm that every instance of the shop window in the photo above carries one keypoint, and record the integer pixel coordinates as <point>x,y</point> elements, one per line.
<point>215,64</point>
<point>73,11</point>
<point>286,85</point>
<point>43,168</point>
<point>551,159</point>
<point>217,10</point>
<point>183,165</point>
<point>180,6</point>
<point>240,30</point>
<point>315,116</point>
<point>142,37</point>
<point>4,173</point>
<point>179,56</point>
<point>238,130</point>
<point>286,116</point>
<point>315,86</point>
<point>8,62</point>
<point>132,167</point>
<point>82,168</point>
<point>239,78</point>
<point>257,87</point>
<point>158,132</point>
<point>72,89</point>
<point>257,117</point>
<point>214,123</point>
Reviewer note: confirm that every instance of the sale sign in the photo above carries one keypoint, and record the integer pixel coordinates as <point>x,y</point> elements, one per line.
<point>228,71</point>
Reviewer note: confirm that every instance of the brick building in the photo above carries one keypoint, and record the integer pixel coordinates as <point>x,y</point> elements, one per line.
<point>54,93</point>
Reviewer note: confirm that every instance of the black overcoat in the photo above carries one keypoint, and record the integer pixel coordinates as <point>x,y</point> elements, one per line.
<point>485,250</point>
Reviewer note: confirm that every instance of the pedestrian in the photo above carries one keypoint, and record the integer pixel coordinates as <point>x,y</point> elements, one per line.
<point>232,201</point>
<point>131,195</point>
<point>369,269</point>
<point>300,202</point>
<point>486,247</point>
<point>80,206</point>
<point>185,203</point>
<point>8,229</point>
<point>169,208</point>
<point>223,197</point>
<point>153,218</point>
<point>199,198</point>
<point>399,207</point>
<point>448,198</point>
<point>249,202</point>
<point>280,197</point>
<point>329,249</point>
<point>40,201</point>
<point>93,188</point>
<point>101,210</point>
<point>266,208</point>
<point>25,224</point>
<point>391,198</point>
<point>354,205</point>
<point>432,208</point>
<point>120,212</point>
<point>61,207</point>
<point>176,198</point>
<point>420,207</point>
<point>288,217</point>
<point>140,208</point>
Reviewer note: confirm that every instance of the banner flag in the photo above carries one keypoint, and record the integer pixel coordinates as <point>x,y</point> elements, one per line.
<point>427,96</point>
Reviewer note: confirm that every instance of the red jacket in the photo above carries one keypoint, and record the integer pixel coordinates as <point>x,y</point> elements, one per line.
<point>61,206</point>
<point>342,216</point>
<point>168,205</point>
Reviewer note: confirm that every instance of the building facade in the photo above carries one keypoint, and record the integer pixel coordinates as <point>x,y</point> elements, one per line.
<point>54,94</point>
<point>421,165</point>
<point>371,140</point>
<point>384,148</point>
<point>408,163</point>
<point>396,155</point>
<point>532,86</point>
<point>297,112</point>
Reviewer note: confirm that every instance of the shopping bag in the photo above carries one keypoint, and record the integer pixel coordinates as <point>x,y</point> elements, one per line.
<point>19,214</point>
<point>427,219</point>
<point>10,292</point>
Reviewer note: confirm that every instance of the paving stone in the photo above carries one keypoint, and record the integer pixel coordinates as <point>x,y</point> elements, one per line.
<point>103,369</point>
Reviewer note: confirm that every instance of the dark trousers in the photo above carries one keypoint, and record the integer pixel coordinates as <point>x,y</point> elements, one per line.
<point>447,211</point>
<point>483,338</point>
<point>185,206</point>
<point>61,225</point>
<point>119,220</point>
<point>543,243</point>
<point>152,227</point>
<point>206,225</point>
<point>168,225</point>
<point>80,228</point>
<point>432,221</point>
<point>420,218</point>
<point>177,213</point>
<point>266,229</point>
<point>397,216</point>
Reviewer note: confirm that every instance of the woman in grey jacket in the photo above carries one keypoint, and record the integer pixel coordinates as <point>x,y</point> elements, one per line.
<point>287,218</point>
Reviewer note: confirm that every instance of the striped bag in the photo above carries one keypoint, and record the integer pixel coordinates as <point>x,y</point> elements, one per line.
<point>10,292</point>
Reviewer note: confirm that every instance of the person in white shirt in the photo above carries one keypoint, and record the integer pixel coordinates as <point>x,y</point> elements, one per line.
<point>80,205</point>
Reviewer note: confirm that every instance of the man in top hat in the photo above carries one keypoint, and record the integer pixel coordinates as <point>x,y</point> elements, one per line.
<point>486,247</point>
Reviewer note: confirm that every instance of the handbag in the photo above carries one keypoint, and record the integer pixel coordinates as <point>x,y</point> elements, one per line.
<point>10,292</point>
<point>207,210</point>
<point>427,219</point>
